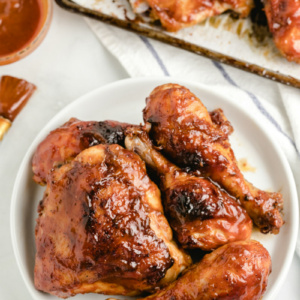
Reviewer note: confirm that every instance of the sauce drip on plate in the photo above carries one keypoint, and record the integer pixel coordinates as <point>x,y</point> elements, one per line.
<point>20,20</point>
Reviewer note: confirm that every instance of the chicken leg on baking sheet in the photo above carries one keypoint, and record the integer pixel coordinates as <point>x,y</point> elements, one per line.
<point>201,215</point>
<point>284,23</point>
<point>193,138</point>
<point>237,270</point>
<point>101,228</point>
<point>177,14</point>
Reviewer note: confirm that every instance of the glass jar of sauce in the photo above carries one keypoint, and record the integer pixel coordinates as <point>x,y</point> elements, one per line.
<point>23,25</point>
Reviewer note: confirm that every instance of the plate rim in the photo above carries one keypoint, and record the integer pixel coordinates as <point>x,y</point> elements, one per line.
<point>158,80</point>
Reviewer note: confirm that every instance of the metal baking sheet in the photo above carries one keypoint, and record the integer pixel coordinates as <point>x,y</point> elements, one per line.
<point>235,37</point>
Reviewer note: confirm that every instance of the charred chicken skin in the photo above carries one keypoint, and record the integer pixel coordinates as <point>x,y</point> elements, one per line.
<point>193,138</point>
<point>101,228</point>
<point>201,215</point>
<point>64,143</point>
<point>284,23</point>
<point>237,270</point>
<point>177,14</point>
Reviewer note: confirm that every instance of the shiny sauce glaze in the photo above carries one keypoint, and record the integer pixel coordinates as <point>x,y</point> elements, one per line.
<point>182,131</point>
<point>203,216</point>
<point>64,143</point>
<point>94,226</point>
<point>238,270</point>
<point>20,20</point>
<point>191,137</point>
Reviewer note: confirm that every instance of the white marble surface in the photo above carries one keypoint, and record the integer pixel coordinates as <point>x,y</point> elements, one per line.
<point>69,63</point>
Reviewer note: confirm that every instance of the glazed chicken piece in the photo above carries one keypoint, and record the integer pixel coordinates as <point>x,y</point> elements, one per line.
<point>237,270</point>
<point>193,138</point>
<point>101,228</point>
<point>177,14</point>
<point>201,215</point>
<point>284,23</point>
<point>65,142</point>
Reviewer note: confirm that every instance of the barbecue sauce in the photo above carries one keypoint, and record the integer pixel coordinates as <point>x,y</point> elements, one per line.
<point>20,21</point>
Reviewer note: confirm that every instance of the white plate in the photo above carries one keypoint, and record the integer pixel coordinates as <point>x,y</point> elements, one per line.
<point>124,101</point>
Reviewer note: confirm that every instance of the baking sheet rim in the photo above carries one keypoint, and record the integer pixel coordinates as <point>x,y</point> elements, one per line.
<point>176,42</point>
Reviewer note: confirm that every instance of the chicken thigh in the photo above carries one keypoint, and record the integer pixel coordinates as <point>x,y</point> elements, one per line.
<point>101,228</point>
<point>65,142</point>
<point>238,270</point>
<point>193,138</point>
<point>201,215</point>
<point>284,23</point>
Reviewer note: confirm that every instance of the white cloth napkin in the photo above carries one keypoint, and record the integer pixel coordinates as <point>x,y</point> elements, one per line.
<point>277,105</point>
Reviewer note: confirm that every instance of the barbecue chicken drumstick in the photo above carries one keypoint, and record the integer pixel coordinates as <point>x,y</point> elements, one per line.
<point>101,228</point>
<point>193,138</point>
<point>64,143</point>
<point>284,23</point>
<point>201,215</point>
<point>237,270</point>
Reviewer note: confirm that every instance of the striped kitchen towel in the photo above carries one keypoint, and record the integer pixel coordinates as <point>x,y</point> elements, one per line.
<point>277,105</point>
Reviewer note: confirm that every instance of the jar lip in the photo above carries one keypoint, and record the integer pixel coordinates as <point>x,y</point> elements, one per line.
<point>30,47</point>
